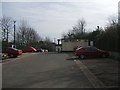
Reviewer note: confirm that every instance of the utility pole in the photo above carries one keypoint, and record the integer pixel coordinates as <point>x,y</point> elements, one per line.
<point>14,33</point>
<point>54,40</point>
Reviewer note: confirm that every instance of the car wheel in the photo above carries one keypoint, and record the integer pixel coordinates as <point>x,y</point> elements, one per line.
<point>82,56</point>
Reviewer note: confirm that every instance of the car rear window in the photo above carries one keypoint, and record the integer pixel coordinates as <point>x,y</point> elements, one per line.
<point>90,49</point>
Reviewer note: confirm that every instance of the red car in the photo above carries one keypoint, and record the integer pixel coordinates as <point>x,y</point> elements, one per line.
<point>12,51</point>
<point>89,51</point>
<point>29,49</point>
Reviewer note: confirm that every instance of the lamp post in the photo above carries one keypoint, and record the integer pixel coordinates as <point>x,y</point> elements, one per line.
<point>58,45</point>
<point>3,34</point>
<point>14,33</point>
<point>98,27</point>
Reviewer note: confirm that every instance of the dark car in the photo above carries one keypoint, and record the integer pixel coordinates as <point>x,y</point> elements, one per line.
<point>29,49</point>
<point>89,51</point>
<point>13,52</point>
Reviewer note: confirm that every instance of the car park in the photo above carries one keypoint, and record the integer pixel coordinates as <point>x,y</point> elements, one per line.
<point>89,51</point>
<point>11,52</point>
<point>29,49</point>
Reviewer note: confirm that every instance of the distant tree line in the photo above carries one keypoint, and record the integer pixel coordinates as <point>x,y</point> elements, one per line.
<point>25,35</point>
<point>106,39</point>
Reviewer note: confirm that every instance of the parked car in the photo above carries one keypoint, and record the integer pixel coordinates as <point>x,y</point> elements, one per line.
<point>89,51</point>
<point>4,56</point>
<point>12,52</point>
<point>45,50</point>
<point>29,49</point>
<point>40,50</point>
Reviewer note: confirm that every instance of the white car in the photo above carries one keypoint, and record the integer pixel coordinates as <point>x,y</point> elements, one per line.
<point>4,56</point>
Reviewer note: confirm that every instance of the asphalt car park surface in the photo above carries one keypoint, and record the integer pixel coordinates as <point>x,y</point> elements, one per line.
<point>59,70</point>
<point>105,69</point>
<point>44,70</point>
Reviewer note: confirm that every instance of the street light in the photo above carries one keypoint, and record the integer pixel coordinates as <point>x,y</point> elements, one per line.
<point>14,33</point>
<point>58,45</point>
<point>98,27</point>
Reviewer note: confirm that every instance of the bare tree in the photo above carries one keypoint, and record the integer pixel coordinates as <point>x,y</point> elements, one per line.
<point>81,25</point>
<point>47,39</point>
<point>26,35</point>
<point>21,33</point>
<point>77,31</point>
<point>6,24</point>
<point>64,36</point>
<point>112,20</point>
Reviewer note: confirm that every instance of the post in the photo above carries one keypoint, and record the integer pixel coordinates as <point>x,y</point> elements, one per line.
<point>14,33</point>
<point>3,34</point>
<point>58,41</point>
<point>98,27</point>
<point>58,45</point>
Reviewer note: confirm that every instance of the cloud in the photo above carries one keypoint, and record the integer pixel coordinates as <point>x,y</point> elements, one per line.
<point>0,9</point>
<point>53,18</point>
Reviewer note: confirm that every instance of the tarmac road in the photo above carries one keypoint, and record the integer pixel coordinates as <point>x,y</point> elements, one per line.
<point>47,70</point>
<point>0,75</point>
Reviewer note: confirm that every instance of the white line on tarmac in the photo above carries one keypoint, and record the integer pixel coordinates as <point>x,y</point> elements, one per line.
<point>91,77</point>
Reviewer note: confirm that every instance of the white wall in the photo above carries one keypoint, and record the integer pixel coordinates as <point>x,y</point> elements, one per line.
<point>69,46</point>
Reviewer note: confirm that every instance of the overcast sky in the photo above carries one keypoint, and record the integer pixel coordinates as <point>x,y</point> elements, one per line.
<point>53,18</point>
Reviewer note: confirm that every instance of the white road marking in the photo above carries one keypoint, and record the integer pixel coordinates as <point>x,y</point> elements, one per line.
<point>91,77</point>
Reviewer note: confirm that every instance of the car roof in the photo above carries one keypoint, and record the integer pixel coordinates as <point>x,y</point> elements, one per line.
<point>13,48</point>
